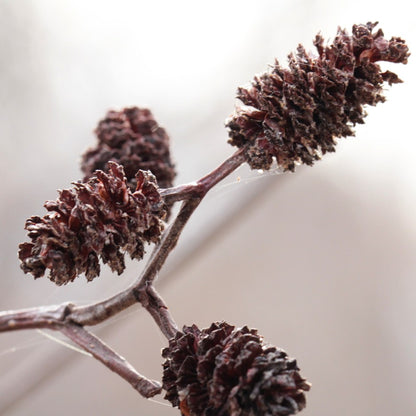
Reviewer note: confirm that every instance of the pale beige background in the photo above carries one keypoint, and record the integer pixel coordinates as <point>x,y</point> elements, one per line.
<point>322,262</point>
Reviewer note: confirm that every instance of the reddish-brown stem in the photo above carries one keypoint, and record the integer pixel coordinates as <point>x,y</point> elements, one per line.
<point>192,195</point>
<point>138,291</point>
<point>56,318</point>
<point>168,242</point>
<point>71,319</point>
<point>157,308</point>
<point>40,317</point>
<point>115,362</point>
<point>202,186</point>
<point>222,171</point>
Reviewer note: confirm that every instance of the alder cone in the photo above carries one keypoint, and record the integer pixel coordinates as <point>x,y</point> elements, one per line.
<point>132,138</point>
<point>294,115</point>
<point>223,371</point>
<point>100,219</point>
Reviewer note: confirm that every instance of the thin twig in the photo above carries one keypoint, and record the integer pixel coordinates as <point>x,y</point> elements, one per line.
<point>154,304</point>
<point>71,319</point>
<point>32,318</point>
<point>97,312</point>
<point>141,291</point>
<point>115,362</point>
<point>46,316</point>
<point>200,188</point>
<point>56,318</point>
<point>100,311</point>
<point>168,242</point>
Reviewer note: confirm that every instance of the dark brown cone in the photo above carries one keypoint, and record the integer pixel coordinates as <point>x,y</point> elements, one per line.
<point>294,115</point>
<point>223,371</point>
<point>132,138</point>
<point>98,219</point>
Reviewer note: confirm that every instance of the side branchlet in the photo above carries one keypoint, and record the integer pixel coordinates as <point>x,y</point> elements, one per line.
<point>290,116</point>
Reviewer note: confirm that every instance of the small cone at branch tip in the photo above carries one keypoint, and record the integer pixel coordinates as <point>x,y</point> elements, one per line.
<point>225,371</point>
<point>100,219</point>
<point>295,115</point>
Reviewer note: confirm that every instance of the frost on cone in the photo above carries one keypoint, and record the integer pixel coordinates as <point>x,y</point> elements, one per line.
<point>98,219</point>
<point>295,115</point>
<point>132,138</point>
<point>223,371</point>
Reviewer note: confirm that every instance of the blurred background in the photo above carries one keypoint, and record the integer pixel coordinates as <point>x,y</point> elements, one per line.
<point>322,262</point>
